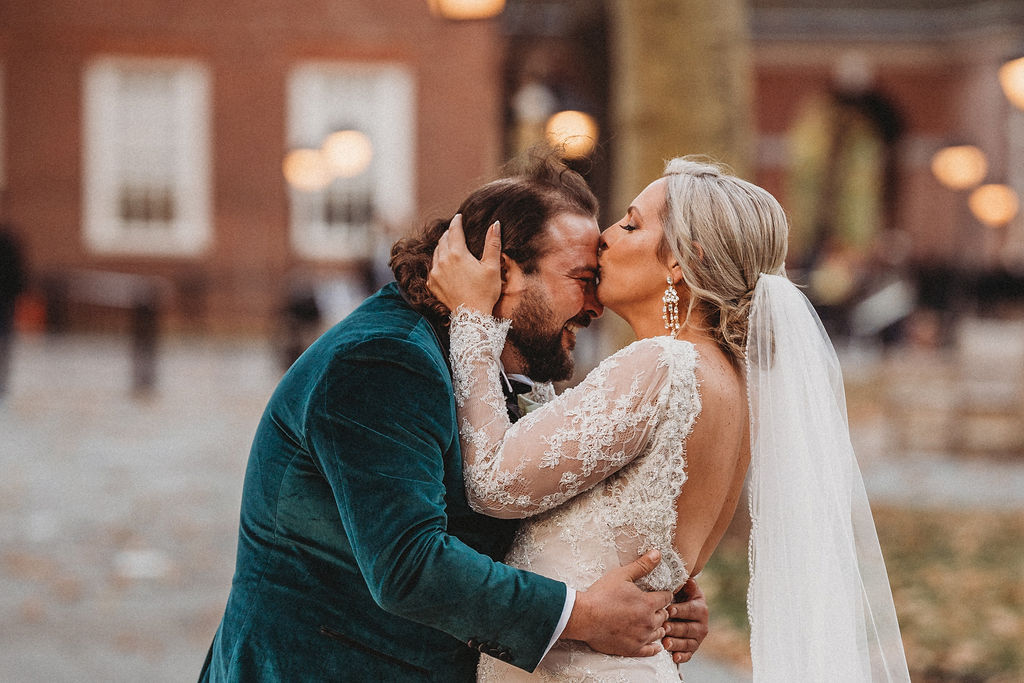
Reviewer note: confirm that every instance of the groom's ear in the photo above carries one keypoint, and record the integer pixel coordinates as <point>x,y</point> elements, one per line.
<point>513,280</point>
<point>506,264</point>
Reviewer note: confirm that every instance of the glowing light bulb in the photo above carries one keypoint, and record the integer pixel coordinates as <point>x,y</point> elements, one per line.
<point>347,153</point>
<point>306,170</point>
<point>466,9</point>
<point>572,132</point>
<point>1011,79</point>
<point>994,205</point>
<point>959,167</point>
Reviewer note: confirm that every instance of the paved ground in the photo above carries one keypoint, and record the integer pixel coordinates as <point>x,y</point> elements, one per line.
<point>118,515</point>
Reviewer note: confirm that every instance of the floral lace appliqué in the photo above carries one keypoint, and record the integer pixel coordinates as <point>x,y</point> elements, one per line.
<point>596,471</point>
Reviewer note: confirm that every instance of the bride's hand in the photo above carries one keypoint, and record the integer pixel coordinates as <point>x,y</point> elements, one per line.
<point>456,276</point>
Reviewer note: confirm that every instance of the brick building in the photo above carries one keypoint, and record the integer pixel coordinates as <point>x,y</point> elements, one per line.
<point>149,137</point>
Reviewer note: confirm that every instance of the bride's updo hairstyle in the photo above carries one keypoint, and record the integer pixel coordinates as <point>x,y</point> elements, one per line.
<point>724,232</point>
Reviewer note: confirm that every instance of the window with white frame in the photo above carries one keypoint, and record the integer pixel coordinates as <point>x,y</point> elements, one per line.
<point>350,161</point>
<point>1013,242</point>
<point>146,156</point>
<point>3,145</point>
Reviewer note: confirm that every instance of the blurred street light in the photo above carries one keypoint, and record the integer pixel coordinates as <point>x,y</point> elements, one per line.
<point>466,9</point>
<point>959,167</point>
<point>347,153</point>
<point>995,205</point>
<point>573,132</point>
<point>1011,78</point>
<point>306,170</point>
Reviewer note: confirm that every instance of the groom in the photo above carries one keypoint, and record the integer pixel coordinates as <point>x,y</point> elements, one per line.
<point>358,556</point>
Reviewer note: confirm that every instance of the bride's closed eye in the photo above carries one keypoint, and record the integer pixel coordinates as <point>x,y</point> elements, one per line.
<point>629,227</point>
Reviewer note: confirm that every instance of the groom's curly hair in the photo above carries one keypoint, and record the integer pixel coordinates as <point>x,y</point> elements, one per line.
<point>531,191</point>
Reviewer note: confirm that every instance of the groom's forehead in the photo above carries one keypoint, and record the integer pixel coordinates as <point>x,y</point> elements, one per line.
<point>570,242</point>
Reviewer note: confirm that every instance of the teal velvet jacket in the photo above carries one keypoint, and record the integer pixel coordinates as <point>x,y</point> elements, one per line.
<point>358,555</point>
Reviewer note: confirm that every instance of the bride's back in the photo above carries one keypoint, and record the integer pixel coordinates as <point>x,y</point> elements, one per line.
<point>717,456</point>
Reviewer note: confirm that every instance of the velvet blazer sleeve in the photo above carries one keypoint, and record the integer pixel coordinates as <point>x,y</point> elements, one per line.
<point>379,424</point>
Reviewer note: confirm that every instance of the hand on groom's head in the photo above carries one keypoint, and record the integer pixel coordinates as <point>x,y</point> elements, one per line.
<point>457,277</point>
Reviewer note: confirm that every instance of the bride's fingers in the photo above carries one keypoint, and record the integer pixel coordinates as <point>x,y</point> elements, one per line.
<point>455,227</point>
<point>492,246</point>
<point>442,244</point>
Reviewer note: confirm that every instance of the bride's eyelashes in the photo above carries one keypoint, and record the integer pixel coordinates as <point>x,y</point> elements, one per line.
<point>629,227</point>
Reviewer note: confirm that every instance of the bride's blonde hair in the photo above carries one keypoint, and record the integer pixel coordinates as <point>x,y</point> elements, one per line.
<point>724,232</point>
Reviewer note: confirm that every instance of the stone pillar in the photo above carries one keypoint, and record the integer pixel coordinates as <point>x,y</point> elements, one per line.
<point>682,83</point>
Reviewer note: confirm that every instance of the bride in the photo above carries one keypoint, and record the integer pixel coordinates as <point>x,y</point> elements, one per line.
<point>730,369</point>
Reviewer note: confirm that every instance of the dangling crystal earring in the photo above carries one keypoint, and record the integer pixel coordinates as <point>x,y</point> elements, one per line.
<point>670,308</point>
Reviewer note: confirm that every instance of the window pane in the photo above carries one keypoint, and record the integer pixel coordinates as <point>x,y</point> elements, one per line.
<point>146,156</point>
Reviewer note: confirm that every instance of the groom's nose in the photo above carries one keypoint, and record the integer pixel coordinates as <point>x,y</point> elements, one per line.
<point>591,306</point>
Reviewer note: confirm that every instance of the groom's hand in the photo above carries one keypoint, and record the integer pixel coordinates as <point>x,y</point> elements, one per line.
<point>616,617</point>
<point>688,622</point>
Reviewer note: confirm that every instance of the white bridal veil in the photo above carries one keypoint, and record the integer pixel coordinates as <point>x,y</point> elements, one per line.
<point>820,606</point>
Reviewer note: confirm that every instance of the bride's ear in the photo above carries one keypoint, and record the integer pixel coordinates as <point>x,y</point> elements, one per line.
<point>675,272</point>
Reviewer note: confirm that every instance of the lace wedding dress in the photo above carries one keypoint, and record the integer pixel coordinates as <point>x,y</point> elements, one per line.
<point>596,471</point>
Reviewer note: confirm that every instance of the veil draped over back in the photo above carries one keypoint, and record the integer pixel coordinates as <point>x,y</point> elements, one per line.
<point>819,602</point>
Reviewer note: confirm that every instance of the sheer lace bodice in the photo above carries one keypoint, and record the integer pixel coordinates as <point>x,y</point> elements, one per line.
<point>596,470</point>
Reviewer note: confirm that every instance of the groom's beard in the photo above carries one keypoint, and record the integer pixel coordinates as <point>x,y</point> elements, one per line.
<point>546,350</point>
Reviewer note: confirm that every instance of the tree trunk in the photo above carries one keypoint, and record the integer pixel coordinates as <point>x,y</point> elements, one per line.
<point>681,84</point>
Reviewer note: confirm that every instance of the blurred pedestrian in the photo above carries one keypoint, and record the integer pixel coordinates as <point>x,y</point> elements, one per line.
<point>298,324</point>
<point>12,284</point>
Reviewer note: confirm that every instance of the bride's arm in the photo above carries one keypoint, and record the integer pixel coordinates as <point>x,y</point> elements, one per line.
<point>562,448</point>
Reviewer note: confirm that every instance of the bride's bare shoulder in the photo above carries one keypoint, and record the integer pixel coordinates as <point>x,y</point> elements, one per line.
<point>723,391</point>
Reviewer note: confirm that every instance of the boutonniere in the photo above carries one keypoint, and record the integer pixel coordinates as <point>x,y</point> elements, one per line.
<point>526,404</point>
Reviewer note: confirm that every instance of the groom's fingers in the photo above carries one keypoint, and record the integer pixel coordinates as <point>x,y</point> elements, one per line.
<point>692,630</point>
<point>682,650</point>
<point>644,565</point>
<point>689,611</point>
<point>648,650</point>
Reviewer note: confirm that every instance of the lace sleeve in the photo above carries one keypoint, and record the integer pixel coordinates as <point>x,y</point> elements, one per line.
<point>563,447</point>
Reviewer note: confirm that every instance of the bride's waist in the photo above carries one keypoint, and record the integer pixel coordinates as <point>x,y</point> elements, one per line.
<point>579,558</point>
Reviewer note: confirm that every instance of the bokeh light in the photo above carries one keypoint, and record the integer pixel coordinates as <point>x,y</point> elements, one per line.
<point>347,153</point>
<point>960,167</point>
<point>306,170</point>
<point>573,132</point>
<point>466,9</point>
<point>1011,78</point>
<point>994,205</point>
